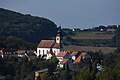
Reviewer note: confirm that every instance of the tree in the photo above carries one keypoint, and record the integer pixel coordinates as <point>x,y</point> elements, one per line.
<point>84,74</point>
<point>24,70</point>
<point>107,74</point>
<point>116,38</point>
<point>109,59</point>
<point>44,76</point>
<point>64,75</point>
<point>26,27</point>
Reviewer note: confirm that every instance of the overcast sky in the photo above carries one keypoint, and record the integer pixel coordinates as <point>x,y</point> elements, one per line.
<point>69,13</point>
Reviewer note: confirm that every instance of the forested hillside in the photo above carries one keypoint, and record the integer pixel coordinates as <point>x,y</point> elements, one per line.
<point>15,43</point>
<point>25,26</point>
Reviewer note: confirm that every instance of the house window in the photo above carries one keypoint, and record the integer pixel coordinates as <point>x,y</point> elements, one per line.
<point>43,51</point>
<point>39,51</point>
<point>54,51</point>
<point>47,51</point>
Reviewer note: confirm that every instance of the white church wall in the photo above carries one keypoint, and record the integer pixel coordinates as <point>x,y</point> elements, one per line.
<point>48,56</point>
<point>41,51</point>
<point>56,51</point>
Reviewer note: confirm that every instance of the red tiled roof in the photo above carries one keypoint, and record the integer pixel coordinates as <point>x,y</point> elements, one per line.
<point>56,45</point>
<point>74,53</point>
<point>68,51</point>
<point>20,52</point>
<point>111,30</point>
<point>46,44</point>
<point>78,59</point>
<point>82,55</point>
<point>1,52</point>
<point>62,54</point>
<point>64,61</point>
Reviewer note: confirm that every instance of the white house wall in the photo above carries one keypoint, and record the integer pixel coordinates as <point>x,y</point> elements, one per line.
<point>60,58</point>
<point>61,65</point>
<point>73,57</point>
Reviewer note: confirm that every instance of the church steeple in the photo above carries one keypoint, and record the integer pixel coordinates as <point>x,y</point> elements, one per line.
<point>58,37</point>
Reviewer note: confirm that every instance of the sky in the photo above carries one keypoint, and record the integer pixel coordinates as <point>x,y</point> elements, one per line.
<point>69,13</point>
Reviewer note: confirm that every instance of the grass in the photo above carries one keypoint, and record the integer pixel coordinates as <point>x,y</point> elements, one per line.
<point>93,35</point>
<point>90,48</point>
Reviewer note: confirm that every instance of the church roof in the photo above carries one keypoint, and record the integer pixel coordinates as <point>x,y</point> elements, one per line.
<point>56,45</point>
<point>48,44</point>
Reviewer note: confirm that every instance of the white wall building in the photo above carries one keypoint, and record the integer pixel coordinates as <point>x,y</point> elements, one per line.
<point>61,55</point>
<point>1,53</point>
<point>74,55</point>
<point>47,48</point>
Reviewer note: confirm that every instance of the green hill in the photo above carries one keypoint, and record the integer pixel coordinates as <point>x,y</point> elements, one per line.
<point>25,26</point>
<point>12,42</point>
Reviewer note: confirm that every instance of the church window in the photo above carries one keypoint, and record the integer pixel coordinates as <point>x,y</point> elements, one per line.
<point>57,38</point>
<point>47,51</point>
<point>43,51</point>
<point>54,51</point>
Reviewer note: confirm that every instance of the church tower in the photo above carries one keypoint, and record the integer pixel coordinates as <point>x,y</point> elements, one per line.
<point>58,37</point>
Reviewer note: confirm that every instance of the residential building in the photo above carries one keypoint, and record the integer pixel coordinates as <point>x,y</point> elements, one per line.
<point>1,53</point>
<point>111,30</point>
<point>75,55</point>
<point>7,52</point>
<point>65,60</point>
<point>82,56</point>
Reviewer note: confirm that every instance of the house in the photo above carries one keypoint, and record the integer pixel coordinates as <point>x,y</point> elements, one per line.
<point>47,48</point>
<point>7,52</point>
<point>1,53</point>
<point>82,56</point>
<point>65,60</point>
<point>21,53</point>
<point>66,64</point>
<point>75,55</point>
<point>111,30</point>
<point>61,55</point>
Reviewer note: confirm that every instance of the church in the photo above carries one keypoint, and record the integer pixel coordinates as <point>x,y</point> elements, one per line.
<point>47,48</point>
